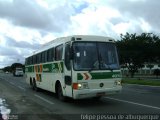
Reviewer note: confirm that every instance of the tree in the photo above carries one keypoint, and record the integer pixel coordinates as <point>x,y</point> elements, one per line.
<point>132,69</point>
<point>135,50</point>
<point>150,66</point>
<point>7,69</point>
<point>156,72</point>
<point>15,65</point>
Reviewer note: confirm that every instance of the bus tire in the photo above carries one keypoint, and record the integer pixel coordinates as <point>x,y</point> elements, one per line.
<point>97,98</point>
<point>31,83</point>
<point>60,93</point>
<point>35,86</point>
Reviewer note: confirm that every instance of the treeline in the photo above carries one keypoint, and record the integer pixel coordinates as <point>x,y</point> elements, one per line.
<point>135,50</point>
<point>12,67</point>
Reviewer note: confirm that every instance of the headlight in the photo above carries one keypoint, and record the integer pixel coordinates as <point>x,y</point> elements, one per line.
<point>118,82</point>
<point>79,85</point>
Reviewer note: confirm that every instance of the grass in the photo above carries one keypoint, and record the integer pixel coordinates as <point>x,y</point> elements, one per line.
<point>141,81</point>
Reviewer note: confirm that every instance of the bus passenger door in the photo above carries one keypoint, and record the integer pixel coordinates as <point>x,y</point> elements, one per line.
<point>67,71</point>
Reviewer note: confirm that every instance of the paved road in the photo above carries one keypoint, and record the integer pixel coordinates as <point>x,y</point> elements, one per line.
<point>43,105</point>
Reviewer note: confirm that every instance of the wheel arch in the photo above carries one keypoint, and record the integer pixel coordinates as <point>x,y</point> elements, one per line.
<point>31,81</point>
<point>56,85</point>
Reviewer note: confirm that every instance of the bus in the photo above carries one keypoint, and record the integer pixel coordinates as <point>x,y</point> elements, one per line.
<point>78,66</point>
<point>18,71</point>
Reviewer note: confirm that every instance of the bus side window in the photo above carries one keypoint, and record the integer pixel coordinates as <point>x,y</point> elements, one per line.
<point>59,51</point>
<point>34,59</point>
<point>67,56</point>
<point>30,60</point>
<point>43,57</point>
<point>47,55</point>
<point>39,58</point>
<point>50,55</point>
<point>26,61</point>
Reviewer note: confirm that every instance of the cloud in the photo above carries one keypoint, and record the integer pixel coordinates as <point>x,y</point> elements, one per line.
<point>21,44</point>
<point>9,55</point>
<point>139,9</point>
<point>78,7</point>
<point>26,24</point>
<point>15,51</point>
<point>28,13</point>
<point>6,51</point>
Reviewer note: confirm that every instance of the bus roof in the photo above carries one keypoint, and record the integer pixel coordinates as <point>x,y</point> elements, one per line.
<point>80,37</point>
<point>61,40</point>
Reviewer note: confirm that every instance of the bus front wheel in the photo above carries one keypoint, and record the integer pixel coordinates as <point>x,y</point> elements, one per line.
<point>60,93</point>
<point>35,86</point>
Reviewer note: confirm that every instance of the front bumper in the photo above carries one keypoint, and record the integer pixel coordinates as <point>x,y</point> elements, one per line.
<point>88,93</point>
<point>19,74</point>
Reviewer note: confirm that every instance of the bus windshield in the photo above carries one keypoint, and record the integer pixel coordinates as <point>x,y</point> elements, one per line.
<point>95,56</point>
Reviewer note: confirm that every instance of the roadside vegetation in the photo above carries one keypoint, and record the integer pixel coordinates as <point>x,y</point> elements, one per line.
<point>141,81</point>
<point>12,67</point>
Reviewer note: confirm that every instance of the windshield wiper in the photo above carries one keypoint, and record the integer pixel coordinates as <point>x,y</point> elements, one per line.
<point>92,68</point>
<point>104,66</point>
<point>109,68</point>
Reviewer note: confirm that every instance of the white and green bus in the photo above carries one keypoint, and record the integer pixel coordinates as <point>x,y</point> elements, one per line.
<point>78,66</point>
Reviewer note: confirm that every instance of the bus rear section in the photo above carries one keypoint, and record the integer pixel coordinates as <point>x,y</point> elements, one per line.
<point>96,70</point>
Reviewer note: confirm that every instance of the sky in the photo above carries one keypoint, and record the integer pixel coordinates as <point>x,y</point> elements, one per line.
<point>25,25</point>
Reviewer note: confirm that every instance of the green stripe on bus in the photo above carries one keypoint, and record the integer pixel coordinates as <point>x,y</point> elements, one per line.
<point>47,68</point>
<point>101,75</point>
<point>57,67</point>
<point>29,69</point>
